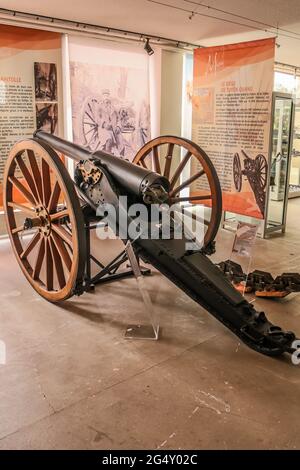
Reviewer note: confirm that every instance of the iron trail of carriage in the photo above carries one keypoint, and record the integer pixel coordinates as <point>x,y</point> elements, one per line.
<point>59,213</point>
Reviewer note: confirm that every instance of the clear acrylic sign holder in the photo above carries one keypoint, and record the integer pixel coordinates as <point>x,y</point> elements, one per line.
<point>142,331</point>
<point>242,250</point>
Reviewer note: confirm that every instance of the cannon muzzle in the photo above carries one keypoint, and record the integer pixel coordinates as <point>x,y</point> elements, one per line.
<point>132,177</point>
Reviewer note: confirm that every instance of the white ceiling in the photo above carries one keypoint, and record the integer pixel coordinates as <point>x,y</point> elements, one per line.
<point>172,19</point>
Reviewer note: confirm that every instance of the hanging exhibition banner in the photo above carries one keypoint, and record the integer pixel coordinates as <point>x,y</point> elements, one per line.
<point>232,99</point>
<point>110,96</point>
<point>30,69</point>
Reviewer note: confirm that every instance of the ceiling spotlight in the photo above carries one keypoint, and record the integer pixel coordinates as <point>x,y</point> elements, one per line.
<point>148,48</point>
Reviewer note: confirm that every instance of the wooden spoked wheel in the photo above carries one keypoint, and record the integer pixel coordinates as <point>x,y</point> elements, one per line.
<point>89,122</point>
<point>44,220</point>
<point>171,157</point>
<point>237,172</point>
<point>261,169</point>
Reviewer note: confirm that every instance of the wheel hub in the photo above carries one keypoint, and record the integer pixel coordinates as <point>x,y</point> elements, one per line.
<point>42,221</point>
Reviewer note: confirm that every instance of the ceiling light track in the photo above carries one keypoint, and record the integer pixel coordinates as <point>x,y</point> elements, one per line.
<point>205,15</point>
<point>235,15</point>
<point>64,25</point>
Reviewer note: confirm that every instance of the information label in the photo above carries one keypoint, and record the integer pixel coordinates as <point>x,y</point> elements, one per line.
<point>232,101</point>
<point>30,61</point>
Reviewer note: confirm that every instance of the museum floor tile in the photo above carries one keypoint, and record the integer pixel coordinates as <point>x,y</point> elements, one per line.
<point>71,379</point>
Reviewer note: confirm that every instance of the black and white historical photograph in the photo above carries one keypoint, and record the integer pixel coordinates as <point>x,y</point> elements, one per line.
<point>110,108</point>
<point>47,117</point>
<point>45,77</point>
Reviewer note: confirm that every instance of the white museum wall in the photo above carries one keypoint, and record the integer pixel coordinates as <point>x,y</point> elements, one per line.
<point>171,92</point>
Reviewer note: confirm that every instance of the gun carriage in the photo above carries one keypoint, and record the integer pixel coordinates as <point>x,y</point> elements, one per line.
<point>58,214</point>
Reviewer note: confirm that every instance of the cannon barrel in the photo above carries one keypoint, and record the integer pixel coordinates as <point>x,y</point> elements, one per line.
<point>130,176</point>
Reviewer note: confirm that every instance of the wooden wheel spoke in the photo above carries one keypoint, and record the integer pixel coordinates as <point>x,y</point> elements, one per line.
<point>36,173</point>
<point>46,182</point>
<point>59,215</point>
<point>39,260</point>
<point>187,182</point>
<point>54,197</point>
<point>142,162</point>
<point>180,169</point>
<point>168,160</point>
<point>63,234</point>
<point>93,138</point>
<point>28,177</point>
<point>91,118</point>
<point>18,229</point>
<point>22,190</point>
<point>155,161</point>
<point>49,267</point>
<point>90,123</point>
<point>62,251</point>
<point>193,216</point>
<point>96,148</point>
<point>191,198</point>
<point>58,264</point>
<point>22,208</point>
<point>89,131</point>
<point>30,246</point>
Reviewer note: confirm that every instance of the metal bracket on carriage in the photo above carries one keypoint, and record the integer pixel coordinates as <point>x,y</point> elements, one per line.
<point>260,282</point>
<point>89,172</point>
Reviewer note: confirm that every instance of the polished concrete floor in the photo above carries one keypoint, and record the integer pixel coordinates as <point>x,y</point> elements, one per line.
<point>71,380</point>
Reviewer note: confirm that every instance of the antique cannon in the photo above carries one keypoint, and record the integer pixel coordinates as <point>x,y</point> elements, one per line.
<point>57,213</point>
<point>256,171</point>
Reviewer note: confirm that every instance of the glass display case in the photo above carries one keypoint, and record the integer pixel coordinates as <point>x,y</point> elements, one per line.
<point>279,163</point>
<point>294,190</point>
<point>287,81</point>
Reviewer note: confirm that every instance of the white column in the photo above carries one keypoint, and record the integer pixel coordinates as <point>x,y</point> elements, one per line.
<point>155,90</point>
<point>67,105</point>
